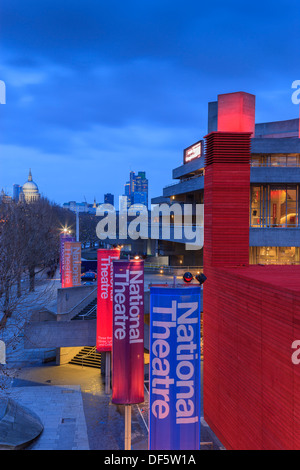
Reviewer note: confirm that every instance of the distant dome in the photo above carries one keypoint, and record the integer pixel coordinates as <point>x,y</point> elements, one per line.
<point>30,186</point>
<point>30,189</point>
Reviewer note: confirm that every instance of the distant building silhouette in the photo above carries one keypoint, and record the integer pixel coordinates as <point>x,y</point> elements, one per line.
<point>30,190</point>
<point>136,189</point>
<point>109,198</point>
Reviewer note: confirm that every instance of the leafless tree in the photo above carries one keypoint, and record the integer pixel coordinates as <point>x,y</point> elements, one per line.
<point>29,250</point>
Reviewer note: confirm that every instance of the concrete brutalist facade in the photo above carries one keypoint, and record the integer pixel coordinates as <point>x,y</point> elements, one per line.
<point>280,137</point>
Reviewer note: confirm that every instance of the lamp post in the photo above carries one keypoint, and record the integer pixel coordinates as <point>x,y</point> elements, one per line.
<point>77,224</point>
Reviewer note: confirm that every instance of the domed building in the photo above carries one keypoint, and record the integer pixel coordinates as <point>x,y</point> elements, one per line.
<point>30,190</point>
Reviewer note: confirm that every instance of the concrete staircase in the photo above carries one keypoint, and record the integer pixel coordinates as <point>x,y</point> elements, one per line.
<point>87,357</point>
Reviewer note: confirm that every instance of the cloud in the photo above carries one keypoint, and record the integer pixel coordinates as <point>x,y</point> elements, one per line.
<point>128,83</point>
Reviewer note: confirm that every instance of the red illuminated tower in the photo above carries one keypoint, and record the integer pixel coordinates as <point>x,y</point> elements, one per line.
<point>251,314</point>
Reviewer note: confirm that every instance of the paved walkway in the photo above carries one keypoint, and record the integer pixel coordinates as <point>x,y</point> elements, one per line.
<point>77,414</point>
<point>61,412</point>
<point>74,409</point>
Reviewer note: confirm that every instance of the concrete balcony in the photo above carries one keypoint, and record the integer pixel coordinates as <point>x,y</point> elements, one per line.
<point>188,168</point>
<point>190,235</point>
<point>271,175</point>
<point>282,145</point>
<point>187,186</point>
<point>274,236</point>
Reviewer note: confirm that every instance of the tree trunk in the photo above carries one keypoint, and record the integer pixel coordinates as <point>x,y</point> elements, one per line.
<point>31,279</point>
<point>19,290</point>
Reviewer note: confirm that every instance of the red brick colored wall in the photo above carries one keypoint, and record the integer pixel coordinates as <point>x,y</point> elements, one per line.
<point>251,386</point>
<point>251,315</point>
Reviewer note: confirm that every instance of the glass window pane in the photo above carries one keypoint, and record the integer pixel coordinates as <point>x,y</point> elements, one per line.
<point>278,160</point>
<point>292,213</point>
<point>274,255</point>
<point>291,160</point>
<point>255,206</point>
<point>277,207</point>
<point>258,160</point>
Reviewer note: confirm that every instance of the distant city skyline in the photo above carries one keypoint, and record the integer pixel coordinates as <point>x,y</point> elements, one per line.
<point>108,198</point>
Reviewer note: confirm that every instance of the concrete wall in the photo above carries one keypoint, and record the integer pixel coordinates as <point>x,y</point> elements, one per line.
<point>188,168</point>
<point>69,297</point>
<point>60,334</point>
<point>193,184</point>
<point>274,237</point>
<point>284,145</point>
<point>64,355</point>
<point>277,129</point>
<point>270,175</point>
<point>250,393</point>
<point>65,334</point>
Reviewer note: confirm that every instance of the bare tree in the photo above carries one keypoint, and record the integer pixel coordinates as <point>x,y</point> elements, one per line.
<point>29,251</point>
<point>40,235</point>
<point>88,234</point>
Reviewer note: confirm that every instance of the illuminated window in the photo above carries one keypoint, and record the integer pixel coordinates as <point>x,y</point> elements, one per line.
<point>274,206</point>
<point>274,255</point>
<point>258,160</point>
<point>278,160</point>
<point>275,160</point>
<point>277,208</point>
<point>256,206</point>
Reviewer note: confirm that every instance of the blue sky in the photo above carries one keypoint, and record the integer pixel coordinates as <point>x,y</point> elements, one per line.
<point>96,89</point>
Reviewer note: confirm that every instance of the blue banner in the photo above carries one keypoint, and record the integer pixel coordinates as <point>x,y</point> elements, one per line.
<point>174,369</point>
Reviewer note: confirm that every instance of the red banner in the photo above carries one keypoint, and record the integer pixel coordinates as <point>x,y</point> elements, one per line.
<point>71,275</point>
<point>104,298</point>
<point>128,332</point>
<point>63,239</point>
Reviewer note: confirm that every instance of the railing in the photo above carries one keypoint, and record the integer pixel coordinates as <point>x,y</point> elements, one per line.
<point>92,310</point>
<point>77,308</point>
<point>183,180</point>
<point>172,270</point>
<point>92,351</point>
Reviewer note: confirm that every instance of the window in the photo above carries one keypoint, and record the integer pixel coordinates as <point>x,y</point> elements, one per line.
<point>274,255</point>
<point>258,160</point>
<point>275,160</point>
<point>274,206</point>
<point>277,207</point>
<point>256,206</point>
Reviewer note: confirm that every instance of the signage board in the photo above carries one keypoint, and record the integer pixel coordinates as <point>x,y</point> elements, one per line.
<point>63,238</point>
<point>71,274</point>
<point>193,152</point>
<point>105,260</point>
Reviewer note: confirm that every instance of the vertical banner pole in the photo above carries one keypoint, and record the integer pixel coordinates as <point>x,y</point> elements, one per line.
<point>77,224</point>
<point>175,355</point>
<point>107,372</point>
<point>127,427</point>
<point>128,338</point>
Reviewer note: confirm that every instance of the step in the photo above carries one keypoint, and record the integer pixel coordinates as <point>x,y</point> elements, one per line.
<point>86,357</point>
<point>85,362</point>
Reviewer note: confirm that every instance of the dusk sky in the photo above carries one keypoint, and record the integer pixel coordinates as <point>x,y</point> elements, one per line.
<point>96,89</point>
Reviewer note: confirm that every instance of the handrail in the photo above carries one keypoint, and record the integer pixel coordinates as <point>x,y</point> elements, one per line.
<point>169,269</point>
<point>92,351</point>
<point>82,300</point>
<point>92,310</point>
